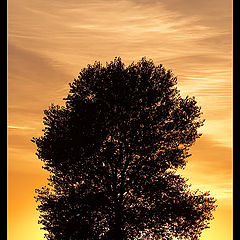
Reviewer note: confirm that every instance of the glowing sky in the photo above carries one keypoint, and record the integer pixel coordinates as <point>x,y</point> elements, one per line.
<point>50,41</point>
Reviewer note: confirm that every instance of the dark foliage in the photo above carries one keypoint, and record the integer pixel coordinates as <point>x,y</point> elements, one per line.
<point>113,152</point>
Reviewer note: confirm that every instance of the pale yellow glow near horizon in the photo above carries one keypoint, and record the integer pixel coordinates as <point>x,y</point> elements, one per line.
<point>50,41</point>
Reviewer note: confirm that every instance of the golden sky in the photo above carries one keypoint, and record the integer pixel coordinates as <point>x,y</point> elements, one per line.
<point>50,41</point>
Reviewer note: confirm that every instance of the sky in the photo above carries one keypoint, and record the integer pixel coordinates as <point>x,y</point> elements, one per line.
<point>49,42</point>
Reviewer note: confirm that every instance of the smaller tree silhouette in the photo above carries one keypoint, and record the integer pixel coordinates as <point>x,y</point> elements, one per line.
<point>113,152</point>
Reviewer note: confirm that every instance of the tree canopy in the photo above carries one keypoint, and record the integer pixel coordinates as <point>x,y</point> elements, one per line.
<point>113,152</point>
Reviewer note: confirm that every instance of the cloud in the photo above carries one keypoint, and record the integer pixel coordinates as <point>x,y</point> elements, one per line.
<point>34,81</point>
<point>20,128</point>
<point>73,30</point>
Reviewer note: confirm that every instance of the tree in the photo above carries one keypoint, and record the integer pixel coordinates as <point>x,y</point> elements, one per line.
<point>113,152</point>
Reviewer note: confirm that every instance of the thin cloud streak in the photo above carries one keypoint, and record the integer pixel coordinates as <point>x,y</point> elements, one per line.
<point>21,128</point>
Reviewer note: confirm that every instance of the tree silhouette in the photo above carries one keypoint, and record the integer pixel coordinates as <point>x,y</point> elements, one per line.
<point>113,152</point>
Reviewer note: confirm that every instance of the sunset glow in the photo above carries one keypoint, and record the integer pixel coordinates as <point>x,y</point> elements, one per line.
<point>49,42</point>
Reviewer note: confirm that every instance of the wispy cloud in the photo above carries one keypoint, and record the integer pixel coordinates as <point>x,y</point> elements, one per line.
<point>21,127</point>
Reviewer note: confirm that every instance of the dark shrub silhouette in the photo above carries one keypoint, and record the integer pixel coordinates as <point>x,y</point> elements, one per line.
<point>113,152</point>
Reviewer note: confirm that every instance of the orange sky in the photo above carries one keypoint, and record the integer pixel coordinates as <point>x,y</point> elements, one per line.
<point>50,41</point>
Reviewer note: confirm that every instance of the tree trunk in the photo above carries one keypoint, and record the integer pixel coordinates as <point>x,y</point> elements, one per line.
<point>116,230</point>
<point>119,233</point>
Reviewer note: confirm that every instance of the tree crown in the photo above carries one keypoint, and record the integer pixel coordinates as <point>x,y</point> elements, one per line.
<point>113,151</point>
